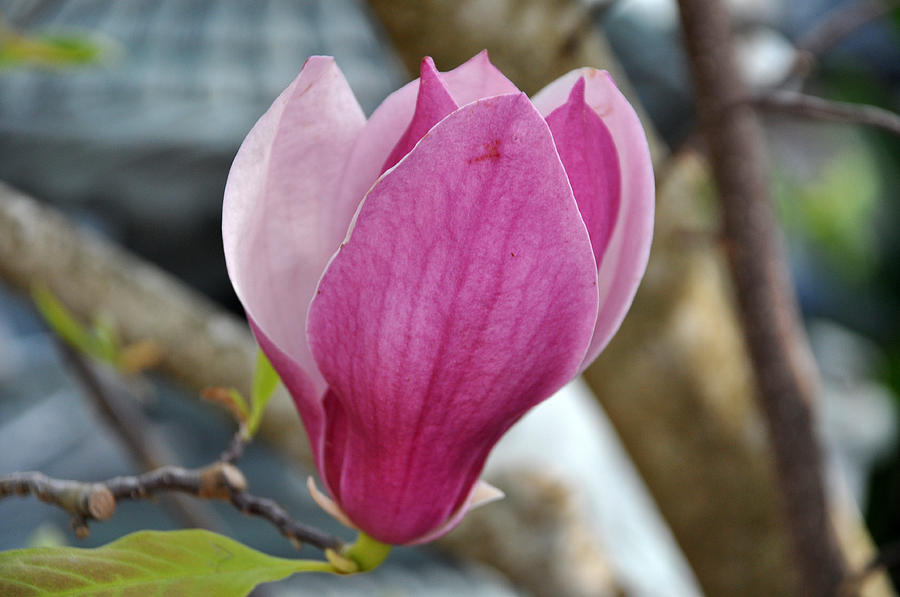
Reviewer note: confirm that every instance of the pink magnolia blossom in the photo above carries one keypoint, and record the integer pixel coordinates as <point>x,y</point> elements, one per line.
<point>422,278</point>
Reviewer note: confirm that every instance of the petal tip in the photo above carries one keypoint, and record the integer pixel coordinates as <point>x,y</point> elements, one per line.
<point>427,64</point>
<point>576,96</point>
<point>428,72</point>
<point>485,493</point>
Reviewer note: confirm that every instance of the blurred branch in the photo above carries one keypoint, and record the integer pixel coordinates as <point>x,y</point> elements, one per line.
<point>199,341</point>
<point>842,22</point>
<point>127,422</point>
<point>810,106</point>
<point>87,501</point>
<point>201,344</point>
<point>97,501</point>
<point>785,374</point>
<point>836,26</point>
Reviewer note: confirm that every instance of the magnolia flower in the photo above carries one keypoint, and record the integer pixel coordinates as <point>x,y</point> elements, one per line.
<point>422,278</point>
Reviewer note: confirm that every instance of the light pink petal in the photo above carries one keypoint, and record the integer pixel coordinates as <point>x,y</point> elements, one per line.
<point>624,258</point>
<point>276,214</point>
<point>433,103</point>
<point>475,79</point>
<point>465,295</point>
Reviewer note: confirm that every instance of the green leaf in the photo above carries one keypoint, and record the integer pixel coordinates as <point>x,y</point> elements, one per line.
<point>186,562</point>
<point>67,327</point>
<point>106,338</point>
<point>240,403</point>
<point>265,380</point>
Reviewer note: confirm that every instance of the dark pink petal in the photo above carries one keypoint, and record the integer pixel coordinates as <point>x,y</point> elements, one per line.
<point>465,294</point>
<point>433,102</point>
<point>276,215</point>
<point>589,156</point>
<point>623,256</point>
<point>475,79</point>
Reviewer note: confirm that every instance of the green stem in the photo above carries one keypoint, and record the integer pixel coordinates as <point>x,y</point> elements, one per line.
<point>367,552</point>
<point>312,566</point>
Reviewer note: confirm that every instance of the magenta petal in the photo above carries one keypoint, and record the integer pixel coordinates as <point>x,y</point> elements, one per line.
<point>588,153</point>
<point>432,104</point>
<point>475,79</point>
<point>465,294</point>
<point>627,248</point>
<point>276,214</point>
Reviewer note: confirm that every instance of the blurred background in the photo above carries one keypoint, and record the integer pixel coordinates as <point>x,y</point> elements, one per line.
<point>126,114</point>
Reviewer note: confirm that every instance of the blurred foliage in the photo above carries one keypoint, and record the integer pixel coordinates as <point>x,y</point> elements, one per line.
<point>48,50</point>
<point>248,413</point>
<point>834,211</point>
<point>100,341</point>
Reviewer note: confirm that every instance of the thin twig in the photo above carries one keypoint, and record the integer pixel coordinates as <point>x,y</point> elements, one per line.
<point>810,106</point>
<point>87,501</point>
<point>235,448</point>
<point>297,532</point>
<point>221,480</point>
<point>841,22</point>
<point>82,500</point>
<point>125,419</point>
<point>785,374</point>
<point>836,26</point>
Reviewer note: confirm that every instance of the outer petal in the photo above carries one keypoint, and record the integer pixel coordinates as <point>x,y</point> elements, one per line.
<point>624,257</point>
<point>276,211</point>
<point>465,294</point>
<point>475,79</point>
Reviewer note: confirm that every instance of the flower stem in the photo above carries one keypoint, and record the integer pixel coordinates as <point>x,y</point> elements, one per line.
<point>367,552</point>
<point>312,566</point>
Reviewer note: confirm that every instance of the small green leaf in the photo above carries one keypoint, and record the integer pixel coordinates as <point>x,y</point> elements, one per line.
<point>265,380</point>
<point>106,337</point>
<point>67,327</point>
<point>240,403</point>
<point>186,562</point>
<point>231,400</point>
